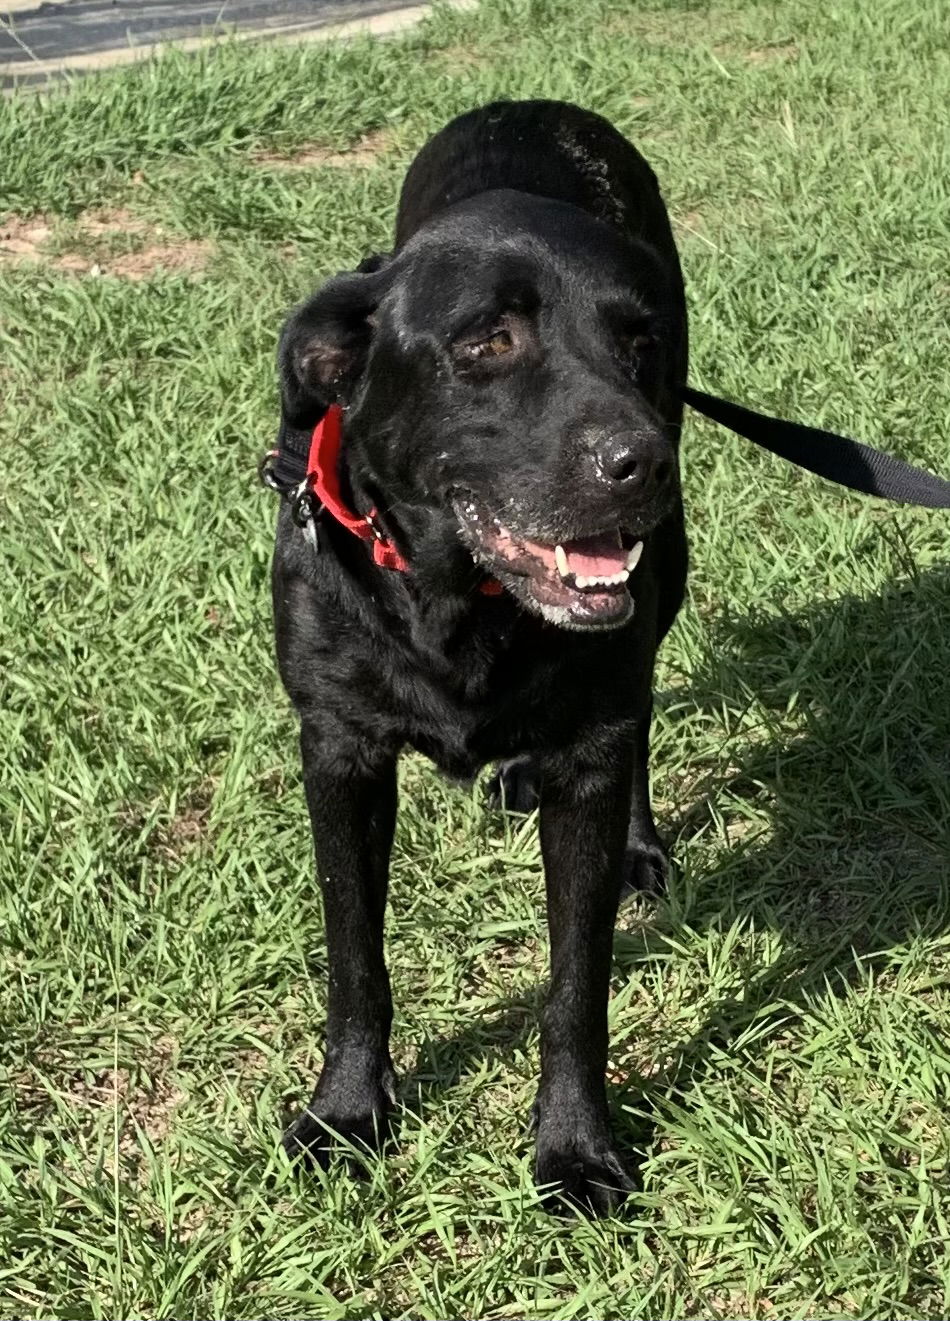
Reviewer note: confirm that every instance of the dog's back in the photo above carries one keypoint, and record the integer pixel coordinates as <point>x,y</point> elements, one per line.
<point>548,148</point>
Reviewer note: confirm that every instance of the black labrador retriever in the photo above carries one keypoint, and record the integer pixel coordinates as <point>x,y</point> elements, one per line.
<point>504,396</point>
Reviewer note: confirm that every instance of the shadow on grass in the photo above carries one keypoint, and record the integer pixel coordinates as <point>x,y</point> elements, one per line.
<point>855,859</point>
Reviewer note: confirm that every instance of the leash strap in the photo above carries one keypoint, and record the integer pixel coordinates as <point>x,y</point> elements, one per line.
<point>837,458</point>
<point>289,458</point>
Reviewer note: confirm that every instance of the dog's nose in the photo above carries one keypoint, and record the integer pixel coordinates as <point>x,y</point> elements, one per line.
<point>628,464</point>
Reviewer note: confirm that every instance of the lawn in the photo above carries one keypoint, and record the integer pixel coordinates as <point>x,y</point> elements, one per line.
<point>781,1020</point>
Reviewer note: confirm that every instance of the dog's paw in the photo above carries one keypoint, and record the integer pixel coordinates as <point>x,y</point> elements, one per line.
<point>515,786</point>
<point>322,1128</point>
<point>578,1176</point>
<point>645,869</point>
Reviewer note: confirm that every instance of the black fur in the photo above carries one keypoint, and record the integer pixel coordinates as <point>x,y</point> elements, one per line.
<point>519,355</point>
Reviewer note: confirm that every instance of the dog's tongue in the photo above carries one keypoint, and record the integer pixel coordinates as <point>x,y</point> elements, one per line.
<point>590,557</point>
<point>595,557</point>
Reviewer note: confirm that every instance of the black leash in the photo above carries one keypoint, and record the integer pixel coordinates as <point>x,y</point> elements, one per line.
<point>838,458</point>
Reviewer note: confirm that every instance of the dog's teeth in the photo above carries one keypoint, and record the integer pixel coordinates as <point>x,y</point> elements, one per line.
<point>614,580</point>
<point>560,558</point>
<point>633,557</point>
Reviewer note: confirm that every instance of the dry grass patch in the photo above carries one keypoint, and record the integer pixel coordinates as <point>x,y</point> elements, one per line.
<point>102,242</point>
<point>772,53</point>
<point>666,28</point>
<point>146,1111</point>
<point>144,1100</point>
<point>362,154</point>
<point>460,59</point>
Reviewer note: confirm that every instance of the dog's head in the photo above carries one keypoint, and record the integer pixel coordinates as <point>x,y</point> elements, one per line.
<point>508,381</point>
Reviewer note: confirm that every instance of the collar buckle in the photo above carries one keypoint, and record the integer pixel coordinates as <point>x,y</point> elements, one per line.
<point>265,471</point>
<point>374,527</point>
<point>303,506</point>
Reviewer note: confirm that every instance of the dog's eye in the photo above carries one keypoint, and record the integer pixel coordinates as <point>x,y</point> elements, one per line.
<point>493,346</point>
<point>638,341</point>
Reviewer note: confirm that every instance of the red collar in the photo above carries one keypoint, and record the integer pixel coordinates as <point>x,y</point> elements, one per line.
<point>323,478</point>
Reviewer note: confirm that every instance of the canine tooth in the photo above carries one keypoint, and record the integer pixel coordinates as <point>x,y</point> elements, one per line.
<point>633,556</point>
<point>560,559</point>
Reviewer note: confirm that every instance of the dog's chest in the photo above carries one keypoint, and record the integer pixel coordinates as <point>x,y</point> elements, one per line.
<point>482,710</point>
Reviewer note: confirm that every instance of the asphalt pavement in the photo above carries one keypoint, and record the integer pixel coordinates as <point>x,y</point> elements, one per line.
<point>40,41</point>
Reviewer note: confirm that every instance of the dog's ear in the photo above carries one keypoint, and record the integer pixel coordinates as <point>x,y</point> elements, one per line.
<point>325,343</point>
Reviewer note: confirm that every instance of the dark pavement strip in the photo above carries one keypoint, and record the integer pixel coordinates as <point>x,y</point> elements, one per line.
<point>38,41</point>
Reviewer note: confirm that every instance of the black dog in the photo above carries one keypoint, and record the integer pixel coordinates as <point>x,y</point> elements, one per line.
<point>510,380</point>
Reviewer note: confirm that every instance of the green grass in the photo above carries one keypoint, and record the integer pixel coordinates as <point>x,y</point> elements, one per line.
<point>782,1019</point>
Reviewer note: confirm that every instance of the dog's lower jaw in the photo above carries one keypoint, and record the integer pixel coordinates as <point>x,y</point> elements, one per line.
<point>581,616</point>
<point>576,617</point>
<point>562,617</point>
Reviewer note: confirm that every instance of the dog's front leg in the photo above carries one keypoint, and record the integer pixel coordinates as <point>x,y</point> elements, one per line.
<point>585,809</point>
<point>645,862</point>
<point>351,794</point>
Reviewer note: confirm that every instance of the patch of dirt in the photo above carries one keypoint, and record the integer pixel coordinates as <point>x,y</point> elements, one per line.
<point>150,1102</point>
<point>89,247</point>
<point>250,1064</point>
<point>24,237</point>
<point>738,1305</point>
<point>183,258</point>
<point>116,220</point>
<point>173,838</point>
<point>188,827</point>
<point>771,54</point>
<point>666,28</point>
<point>714,27</point>
<point>183,831</point>
<point>149,1112</point>
<point>459,59</point>
<point>361,154</point>
<point>742,828</point>
<point>691,220</point>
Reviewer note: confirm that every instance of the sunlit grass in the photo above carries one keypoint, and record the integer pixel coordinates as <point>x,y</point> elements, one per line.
<point>779,1024</point>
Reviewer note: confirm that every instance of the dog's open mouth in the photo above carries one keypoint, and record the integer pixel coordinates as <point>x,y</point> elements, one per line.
<point>580,583</point>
